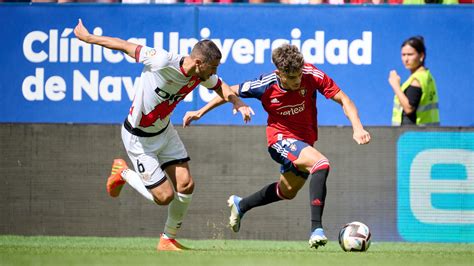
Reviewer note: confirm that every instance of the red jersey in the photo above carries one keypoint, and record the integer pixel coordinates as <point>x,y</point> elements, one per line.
<point>291,114</point>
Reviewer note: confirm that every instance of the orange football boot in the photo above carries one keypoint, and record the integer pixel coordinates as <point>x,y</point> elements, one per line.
<point>115,181</point>
<point>169,244</point>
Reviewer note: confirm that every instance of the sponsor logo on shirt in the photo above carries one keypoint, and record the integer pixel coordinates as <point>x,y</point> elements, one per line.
<point>171,98</point>
<point>291,109</point>
<point>293,147</point>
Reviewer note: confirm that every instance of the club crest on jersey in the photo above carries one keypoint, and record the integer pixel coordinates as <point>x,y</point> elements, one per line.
<point>302,92</point>
<point>146,176</point>
<point>150,53</point>
<point>191,83</point>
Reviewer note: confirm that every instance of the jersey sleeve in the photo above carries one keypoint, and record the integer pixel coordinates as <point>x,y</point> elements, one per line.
<point>212,82</point>
<point>329,88</point>
<point>326,85</point>
<point>255,88</point>
<point>153,58</point>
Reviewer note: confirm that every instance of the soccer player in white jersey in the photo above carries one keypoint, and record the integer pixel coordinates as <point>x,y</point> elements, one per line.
<point>288,95</point>
<point>150,139</point>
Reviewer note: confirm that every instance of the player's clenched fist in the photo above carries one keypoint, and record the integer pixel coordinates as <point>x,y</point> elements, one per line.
<point>81,32</point>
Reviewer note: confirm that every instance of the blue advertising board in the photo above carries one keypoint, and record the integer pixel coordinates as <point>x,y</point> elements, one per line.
<point>435,175</point>
<point>50,76</point>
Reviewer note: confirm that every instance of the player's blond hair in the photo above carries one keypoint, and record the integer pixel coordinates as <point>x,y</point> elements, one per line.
<point>287,58</point>
<point>206,50</point>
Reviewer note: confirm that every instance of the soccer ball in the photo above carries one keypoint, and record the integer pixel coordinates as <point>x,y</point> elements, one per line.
<point>354,236</point>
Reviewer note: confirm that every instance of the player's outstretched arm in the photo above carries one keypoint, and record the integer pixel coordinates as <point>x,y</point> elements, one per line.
<point>224,94</point>
<point>361,136</point>
<point>83,34</point>
<point>196,115</point>
<point>229,94</point>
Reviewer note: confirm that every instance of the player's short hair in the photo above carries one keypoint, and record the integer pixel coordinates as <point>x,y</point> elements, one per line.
<point>418,43</point>
<point>287,58</point>
<point>206,50</point>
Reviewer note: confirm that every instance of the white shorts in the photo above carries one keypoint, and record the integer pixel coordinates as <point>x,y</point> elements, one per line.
<point>151,155</point>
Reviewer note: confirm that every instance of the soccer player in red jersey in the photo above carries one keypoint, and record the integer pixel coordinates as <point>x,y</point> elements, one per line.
<point>288,95</point>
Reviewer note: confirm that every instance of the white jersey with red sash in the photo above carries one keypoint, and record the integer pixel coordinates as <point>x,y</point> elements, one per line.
<point>163,84</point>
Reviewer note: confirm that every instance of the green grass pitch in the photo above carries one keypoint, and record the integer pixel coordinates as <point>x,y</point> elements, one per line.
<point>48,250</point>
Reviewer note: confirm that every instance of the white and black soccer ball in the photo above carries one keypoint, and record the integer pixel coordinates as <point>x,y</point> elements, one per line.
<point>354,236</point>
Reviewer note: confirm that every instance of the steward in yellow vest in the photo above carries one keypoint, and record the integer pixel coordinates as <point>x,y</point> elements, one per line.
<point>416,100</point>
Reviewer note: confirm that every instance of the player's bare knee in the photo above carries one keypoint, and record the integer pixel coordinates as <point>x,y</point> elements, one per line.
<point>186,187</point>
<point>286,192</point>
<point>290,193</point>
<point>163,197</point>
<point>163,201</point>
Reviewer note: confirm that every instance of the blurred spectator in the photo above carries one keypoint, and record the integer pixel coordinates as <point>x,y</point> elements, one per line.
<point>313,2</point>
<point>422,2</point>
<point>295,2</point>
<point>358,2</point>
<point>377,2</point>
<point>148,1</point>
<point>75,1</point>
<point>260,1</point>
<point>228,1</point>
<point>209,1</point>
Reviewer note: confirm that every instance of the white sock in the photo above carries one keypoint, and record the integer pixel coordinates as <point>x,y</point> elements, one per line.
<point>176,212</point>
<point>134,180</point>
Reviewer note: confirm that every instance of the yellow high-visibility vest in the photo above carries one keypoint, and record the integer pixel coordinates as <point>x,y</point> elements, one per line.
<point>427,113</point>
